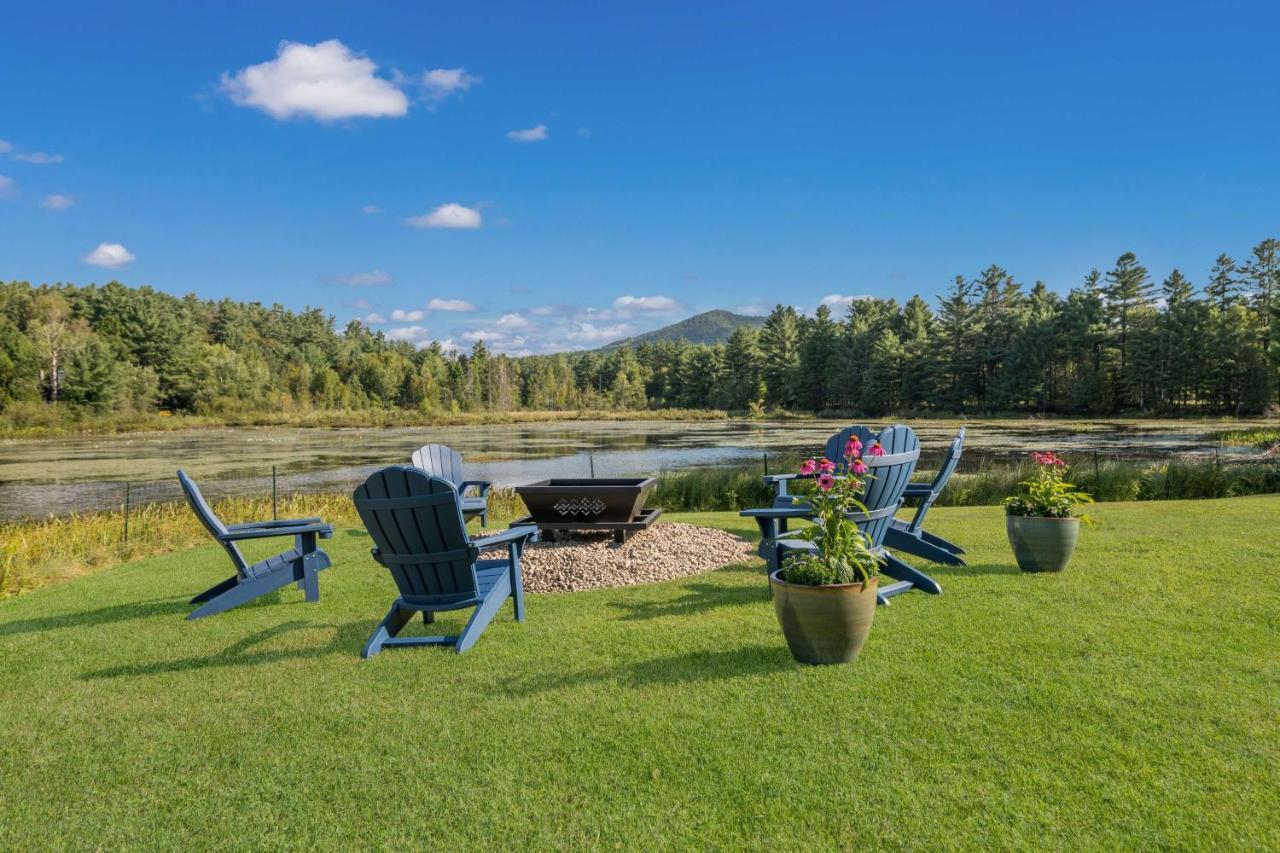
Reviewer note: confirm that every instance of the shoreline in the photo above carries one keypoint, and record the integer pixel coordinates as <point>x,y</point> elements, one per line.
<point>161,423</point>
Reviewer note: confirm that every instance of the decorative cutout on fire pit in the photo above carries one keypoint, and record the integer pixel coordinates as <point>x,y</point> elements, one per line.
<point>580,506</point>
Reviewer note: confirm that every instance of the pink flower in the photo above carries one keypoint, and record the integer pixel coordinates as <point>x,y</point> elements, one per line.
<point>808,467</point>
<point>1048,458</point>
<point>859,467</point>
<point>825,482</point>
<point>826,466</point>
<point>853,447</point>
<point>875,449</point>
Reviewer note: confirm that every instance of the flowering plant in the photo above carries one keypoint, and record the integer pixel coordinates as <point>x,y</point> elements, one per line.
<point>1047,494</point>
<point>844,553</point>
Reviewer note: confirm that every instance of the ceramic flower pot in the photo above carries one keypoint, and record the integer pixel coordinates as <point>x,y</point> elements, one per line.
<point>1042,544</point>
<point>824,624</point>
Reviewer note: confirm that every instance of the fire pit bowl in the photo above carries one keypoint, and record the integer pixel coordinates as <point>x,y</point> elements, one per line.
<point>589,504</point>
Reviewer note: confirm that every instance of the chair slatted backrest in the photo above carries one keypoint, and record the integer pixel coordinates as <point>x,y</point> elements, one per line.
<point>416,523</point>
<point>888,476</point>
<point>211,522</point>
<point>440,460</point>
<point>948,466</point>
<point>835,445</point>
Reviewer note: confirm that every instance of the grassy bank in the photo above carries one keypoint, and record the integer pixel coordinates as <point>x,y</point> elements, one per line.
<point>1260,436</point>
<point>41,421</point>
<point>720,489</point>
<point>38,553</point>
<point>1107,707</point>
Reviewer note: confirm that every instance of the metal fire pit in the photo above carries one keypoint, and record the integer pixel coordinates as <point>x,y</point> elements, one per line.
<point>588,504</point>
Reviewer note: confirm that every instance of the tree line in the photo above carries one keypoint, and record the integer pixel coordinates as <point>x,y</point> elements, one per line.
<point>1119,342</point>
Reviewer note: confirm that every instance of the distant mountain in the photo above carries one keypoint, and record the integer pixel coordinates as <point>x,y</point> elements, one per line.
<point>709,327</point>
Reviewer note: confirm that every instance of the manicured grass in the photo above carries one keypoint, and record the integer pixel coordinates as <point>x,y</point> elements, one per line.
<point>1132,701</point>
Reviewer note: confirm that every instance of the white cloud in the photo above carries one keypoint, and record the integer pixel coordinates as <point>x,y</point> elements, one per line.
<point>592,334</point>
<point>532,134</point>
<point>512,321</point>
<point>754,309</point>
<point>38,157</point>
<point>5,146</point>
<point>413,334</point>
<point>836,300</point>
<point>645,303</point>
<point>324,81</point>
<point>449,305</point>
<point>58,201</point>
<point>370,208</point>
<point>542,311</point>
<point>8,187</point>
<point>447,216</point>
<point>110,255</point>
<point>373,318</point>
<point>448,345</point>
<point>440,83</point>
<point>402,316</point>
<point>373,278</point>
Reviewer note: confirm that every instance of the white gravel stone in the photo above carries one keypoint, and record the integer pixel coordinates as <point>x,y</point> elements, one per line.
<point>577,561</point>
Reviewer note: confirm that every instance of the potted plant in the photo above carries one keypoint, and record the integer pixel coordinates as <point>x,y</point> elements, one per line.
<point>825,599</point>
<point>1042,519</point>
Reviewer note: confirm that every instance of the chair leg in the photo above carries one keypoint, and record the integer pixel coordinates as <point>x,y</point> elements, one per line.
<point>940,542</point>
<point>311,582</point>
<point>395,620</point>
<point>241,593</point>
<point>902,540</point>
<point>483,614</point>
<point>517,585</point>
<point>484,519</point>
<point>901,571</point>
<point>216,589</point>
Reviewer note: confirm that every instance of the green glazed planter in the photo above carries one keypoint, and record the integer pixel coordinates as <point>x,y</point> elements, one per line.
<point>1042,544</point>
<point>824,624</point>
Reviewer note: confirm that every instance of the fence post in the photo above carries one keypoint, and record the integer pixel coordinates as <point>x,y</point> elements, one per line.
<point>274,514</point>
<point>126,512</point>
<point>1095,466</point>
<point>591,460</point>
<point>766,463</point>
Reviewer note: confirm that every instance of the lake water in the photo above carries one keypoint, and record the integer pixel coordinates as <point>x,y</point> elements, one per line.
<point>54,476</point>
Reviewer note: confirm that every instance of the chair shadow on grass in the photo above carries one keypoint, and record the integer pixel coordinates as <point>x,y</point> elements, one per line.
<point>100,616</point>
<point>347,638</point>
<point>691,667</point>
<point>698,598</point>
<point>939,571</point>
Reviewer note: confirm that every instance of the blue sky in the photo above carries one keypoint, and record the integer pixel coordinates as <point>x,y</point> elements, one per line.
<point>385,160</point>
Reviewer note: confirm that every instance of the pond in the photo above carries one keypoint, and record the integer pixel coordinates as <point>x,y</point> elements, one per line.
<point>55,476</point>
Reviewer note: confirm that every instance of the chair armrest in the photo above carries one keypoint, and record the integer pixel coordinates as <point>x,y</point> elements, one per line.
<point>503,537</point>
<point>325,531</point>
<point>483,485</point>
<point>283,522</point>
<point>918,490</point>
<point>774,478</point>
<point>778,512</point>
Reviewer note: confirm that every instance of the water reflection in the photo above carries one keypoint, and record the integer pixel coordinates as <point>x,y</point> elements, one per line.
<point>81,473</point>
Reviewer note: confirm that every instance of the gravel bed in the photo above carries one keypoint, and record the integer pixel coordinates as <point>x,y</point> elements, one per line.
<point>577,561</point>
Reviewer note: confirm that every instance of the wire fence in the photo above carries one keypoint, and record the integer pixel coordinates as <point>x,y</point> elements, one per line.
<point>22,501</point>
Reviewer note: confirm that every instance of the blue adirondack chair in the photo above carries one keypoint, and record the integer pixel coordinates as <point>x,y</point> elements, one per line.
<point>440,460</point>
<point>907,536</point>
<point>421,538</point>
<point>299,565</point>
<point>882,497</point>
<point>910,536</point>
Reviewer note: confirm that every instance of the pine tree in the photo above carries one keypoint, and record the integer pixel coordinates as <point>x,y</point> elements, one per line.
<point>780,352</point>
<point>1128,293</point>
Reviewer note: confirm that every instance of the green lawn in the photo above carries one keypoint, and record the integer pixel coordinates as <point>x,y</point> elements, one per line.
<point>1132,701</point>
